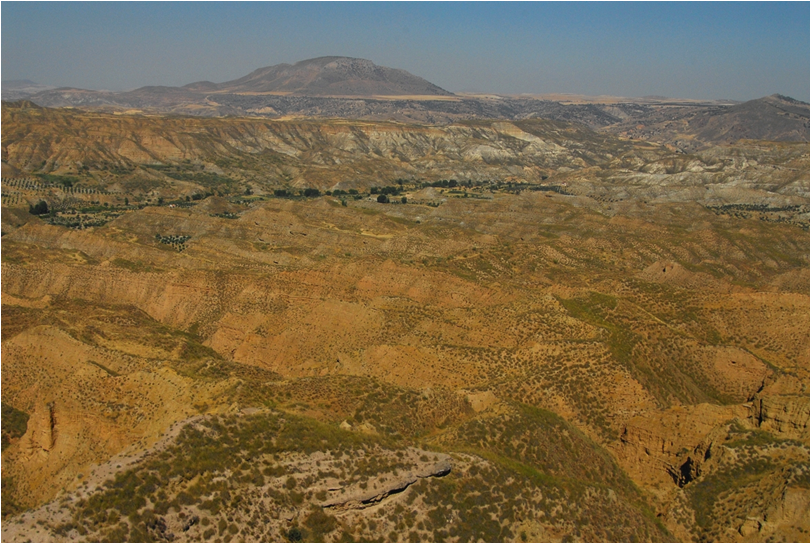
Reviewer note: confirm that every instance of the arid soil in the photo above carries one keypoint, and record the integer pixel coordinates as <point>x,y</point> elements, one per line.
<point>520,359</point>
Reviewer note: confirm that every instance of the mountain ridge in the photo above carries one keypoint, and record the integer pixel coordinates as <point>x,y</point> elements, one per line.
<point>353,88</point>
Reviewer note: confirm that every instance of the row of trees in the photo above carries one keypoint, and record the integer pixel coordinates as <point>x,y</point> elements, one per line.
<point>384,199</point>
<point>447,183</point>
<point>388,190</point>
<point>308,192</point>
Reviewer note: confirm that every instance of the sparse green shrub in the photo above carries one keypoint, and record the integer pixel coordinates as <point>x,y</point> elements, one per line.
<point>294,535</point>
<point>320,523</point>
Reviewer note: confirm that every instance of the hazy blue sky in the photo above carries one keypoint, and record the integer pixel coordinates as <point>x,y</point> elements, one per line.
<point>690,50</point>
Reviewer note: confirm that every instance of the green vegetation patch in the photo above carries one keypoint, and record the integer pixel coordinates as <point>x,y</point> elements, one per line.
<point>704,494</point>
<point>221,465</point>
<point>546,443</point>
<point>193,173</point>
<point>397,412</point>
<point>206,466</point>
<point>740,437</point>
<point>666,365</point>
<point>485,500</point>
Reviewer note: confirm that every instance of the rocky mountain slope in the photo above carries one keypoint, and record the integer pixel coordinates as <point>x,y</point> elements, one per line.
<point>506,331</point>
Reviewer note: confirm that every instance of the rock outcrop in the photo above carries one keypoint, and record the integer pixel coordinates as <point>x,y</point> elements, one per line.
<point>667,448</point>
<point>785,416</point>
<point>387,484</point>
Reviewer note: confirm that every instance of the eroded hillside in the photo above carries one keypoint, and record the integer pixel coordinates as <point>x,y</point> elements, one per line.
<point>107,158</point>
<point>492,360</point>
<point>230,154</point>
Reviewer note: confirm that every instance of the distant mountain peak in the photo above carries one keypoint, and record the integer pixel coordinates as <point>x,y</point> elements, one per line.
<point>333,76</point>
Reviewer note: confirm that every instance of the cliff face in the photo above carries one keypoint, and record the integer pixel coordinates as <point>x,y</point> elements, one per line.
<point>783,416</point>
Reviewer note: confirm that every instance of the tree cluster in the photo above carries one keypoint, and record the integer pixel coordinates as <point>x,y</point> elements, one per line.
<point>40,208</point>
<point>388,190</point>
